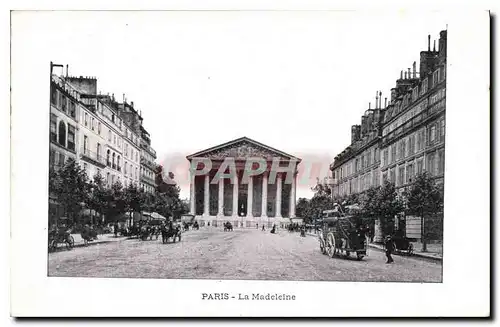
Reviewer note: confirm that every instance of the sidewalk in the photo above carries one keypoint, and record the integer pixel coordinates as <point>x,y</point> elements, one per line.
<point>103,238</point>
<point>434,251</point>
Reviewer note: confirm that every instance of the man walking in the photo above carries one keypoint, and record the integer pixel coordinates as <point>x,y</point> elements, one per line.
<point>389,246</point>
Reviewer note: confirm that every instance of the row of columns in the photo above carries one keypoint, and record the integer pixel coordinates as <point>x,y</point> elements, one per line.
<point>220,210</point>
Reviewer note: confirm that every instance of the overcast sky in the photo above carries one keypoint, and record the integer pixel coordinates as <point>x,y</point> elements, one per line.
<point>295,81</point>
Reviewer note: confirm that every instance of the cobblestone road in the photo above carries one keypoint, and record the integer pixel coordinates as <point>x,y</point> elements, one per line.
<point>242,254</point>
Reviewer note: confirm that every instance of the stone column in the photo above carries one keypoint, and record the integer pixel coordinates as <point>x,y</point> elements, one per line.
<point>193,193</point>
<point>206,200</point>
<point>292,196</point>
<point>220,211</point>
<point>235,197</point>
<point>279,187</point>
<point>250,197</point>
<point>263,213</point>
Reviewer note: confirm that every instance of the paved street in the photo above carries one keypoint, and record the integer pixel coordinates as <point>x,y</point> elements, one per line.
<point>242,254</point>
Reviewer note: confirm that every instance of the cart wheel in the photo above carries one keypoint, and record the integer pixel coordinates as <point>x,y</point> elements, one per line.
<point>322,246</point>
<point>331,245</point>
<point>410,249</point>
<point>359,256</point>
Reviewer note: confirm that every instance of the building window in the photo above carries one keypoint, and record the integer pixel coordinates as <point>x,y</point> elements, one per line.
<point>423,89</point>
<point>441,162</point>
<point>392,174</point>
<point>435,78</point>
<point>118,163</point>
<point>433,133</point>
<point>93,123</point>
<point>86,121</point>
<point>430,164</point>
<point>53,127</point>
<point>393,153</point>
<point>108,154</point>
<point>442,128</point>
<point>71,137</point>
<point>112,179</point>
<point>125,168</point>
<point>386,157</point>
<point>53,96</point>
<point>114,164</point>
<point>99,128</point>
<point>414,94</point>
<point>62,133</point>
<point>403,149</point>
<point>409,173</point>
<point>52,158</point>
<point>114,139</point>
<point>401,176</point>
<point>98,152</point>
<point>109,135</point>
<point>126,150</point>
<point>136,156</point>
<point>85,144</point>
<point>72,109</point>
<point>62,159</point>
<point>108,178</point>
<point>62,102</point>
<point>420,167</point>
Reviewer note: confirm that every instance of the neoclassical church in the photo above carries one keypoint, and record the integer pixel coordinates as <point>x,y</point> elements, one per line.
<point>244,182</point>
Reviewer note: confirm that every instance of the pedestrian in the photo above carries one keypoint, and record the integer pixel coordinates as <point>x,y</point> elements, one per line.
<point>263,229</point>
<point>257,225</point>
<point>389,246</point>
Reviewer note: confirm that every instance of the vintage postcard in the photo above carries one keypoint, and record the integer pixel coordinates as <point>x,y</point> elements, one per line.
<point>250,160</point>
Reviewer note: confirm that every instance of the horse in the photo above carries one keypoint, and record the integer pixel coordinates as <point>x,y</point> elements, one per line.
<point>172,232</point>
<point>228,227</point>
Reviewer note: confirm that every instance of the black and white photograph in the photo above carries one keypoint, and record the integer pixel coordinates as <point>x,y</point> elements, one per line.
<point>251,146</point>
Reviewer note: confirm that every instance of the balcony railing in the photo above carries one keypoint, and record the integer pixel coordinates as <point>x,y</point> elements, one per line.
<point>148,163</point>
<point>95,158</point>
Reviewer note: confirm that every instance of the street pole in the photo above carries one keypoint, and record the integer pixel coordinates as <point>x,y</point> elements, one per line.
<point>424,241</point>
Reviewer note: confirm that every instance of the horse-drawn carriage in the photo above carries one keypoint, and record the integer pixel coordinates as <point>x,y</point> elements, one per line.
<point>58,236</point>
<point>170,231</point>
<point>228,227</point>
<point>340,235</point>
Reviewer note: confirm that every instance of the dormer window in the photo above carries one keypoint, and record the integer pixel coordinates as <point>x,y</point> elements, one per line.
<point>423,89</point>
<point>414,95</point>
<point>435,78</point>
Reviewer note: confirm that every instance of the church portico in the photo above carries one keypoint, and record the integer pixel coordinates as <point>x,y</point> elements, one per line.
<point>243,182</point>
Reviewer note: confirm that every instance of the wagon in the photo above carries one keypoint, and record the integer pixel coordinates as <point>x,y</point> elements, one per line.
<point>340,237</point>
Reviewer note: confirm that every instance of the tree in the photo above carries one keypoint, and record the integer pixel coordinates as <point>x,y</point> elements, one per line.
<point>118,202</point>
<point>424,199</point>
<point>385,205</point>
<point>134,199</point>
<point>100,195</point>
<point>70,186</point>
<point>302,208</point>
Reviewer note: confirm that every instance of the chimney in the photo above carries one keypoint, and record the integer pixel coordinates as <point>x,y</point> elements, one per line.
<point>369,105</point>
<point>434,46</point>
<point>409,73</point>
<point>401,75</point>
<point>376,100</point>
<point>385,102</point>
<point>429,43</point>
<point>405,75</point>
<point>67,70</point>
<point>380,100</point>
<point>132,103</point>
<point>123,97</point>
<point>414,69</point>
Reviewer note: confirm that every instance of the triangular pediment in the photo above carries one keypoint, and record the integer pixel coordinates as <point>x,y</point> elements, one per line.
<point>240,149</point>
